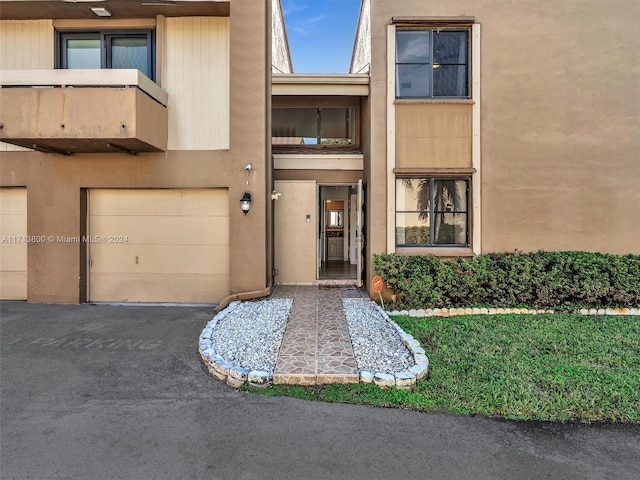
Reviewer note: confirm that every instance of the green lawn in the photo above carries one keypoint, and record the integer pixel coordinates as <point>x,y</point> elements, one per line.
<point>553,367</point>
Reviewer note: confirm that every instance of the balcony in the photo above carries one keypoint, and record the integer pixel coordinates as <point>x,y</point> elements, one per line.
<point>83,111</point>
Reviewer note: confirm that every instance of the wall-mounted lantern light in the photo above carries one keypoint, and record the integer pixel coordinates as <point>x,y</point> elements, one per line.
<point>245,202</point>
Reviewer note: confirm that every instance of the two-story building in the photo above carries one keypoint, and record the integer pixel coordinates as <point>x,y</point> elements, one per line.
<point>165,152</point>
<point>497,126</point>
<point>132,131</point>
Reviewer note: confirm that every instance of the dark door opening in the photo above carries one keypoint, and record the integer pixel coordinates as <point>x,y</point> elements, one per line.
<point>338,232</point>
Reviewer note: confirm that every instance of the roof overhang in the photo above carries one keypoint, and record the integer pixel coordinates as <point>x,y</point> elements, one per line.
<point>81,9</point>
<point>320,84</point>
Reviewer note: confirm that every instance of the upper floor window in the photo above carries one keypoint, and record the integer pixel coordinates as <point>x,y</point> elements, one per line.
<point>313,126</point>
<point>108,49</point>
<point>432,63</point>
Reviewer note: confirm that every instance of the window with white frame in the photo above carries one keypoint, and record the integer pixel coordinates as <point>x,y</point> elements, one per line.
<point>108,49</point>
<point>432,63</point>
<point>432,212</point>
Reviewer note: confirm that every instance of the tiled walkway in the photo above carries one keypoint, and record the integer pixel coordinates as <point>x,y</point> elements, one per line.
<point>316,347</point>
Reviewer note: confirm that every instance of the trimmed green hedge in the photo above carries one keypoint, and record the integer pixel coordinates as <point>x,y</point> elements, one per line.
<point>557,280</point>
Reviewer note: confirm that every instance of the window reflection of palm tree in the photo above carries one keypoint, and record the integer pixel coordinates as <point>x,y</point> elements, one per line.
<point>448,196</point>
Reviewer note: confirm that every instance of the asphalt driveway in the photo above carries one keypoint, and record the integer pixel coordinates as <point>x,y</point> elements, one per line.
<point>113,392</point>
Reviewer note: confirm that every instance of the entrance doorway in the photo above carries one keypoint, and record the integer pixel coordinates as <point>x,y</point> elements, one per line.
<point>321,243</point>
<point>337,240</point>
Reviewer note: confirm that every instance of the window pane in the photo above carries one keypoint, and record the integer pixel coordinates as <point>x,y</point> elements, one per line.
<point>450,81</point>
<point>336,126</point>
<point>450,195</point>
<point>83,53</point>
<point>130,52</point>
<point>412,194</point>
<point>449,212</point>
<point>450,228</point>
<point>412,80</point>
<point>412,229</point>
<point>412,46</point>
<point>450,47</point>
<point>294,125</point>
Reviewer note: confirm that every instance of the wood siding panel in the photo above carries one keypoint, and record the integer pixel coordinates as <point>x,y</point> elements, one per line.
<point>433,136</point>
<point>13,249</point>
<point>174,245</point>
<point>25,45</point>
<point>196,77</point>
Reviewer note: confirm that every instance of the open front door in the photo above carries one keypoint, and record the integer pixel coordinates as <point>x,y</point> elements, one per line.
<point>359,233</point>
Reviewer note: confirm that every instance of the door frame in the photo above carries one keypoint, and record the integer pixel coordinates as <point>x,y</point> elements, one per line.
<point>320,232</point>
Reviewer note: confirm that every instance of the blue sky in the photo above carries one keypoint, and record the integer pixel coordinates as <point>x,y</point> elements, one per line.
<point>321,34</point>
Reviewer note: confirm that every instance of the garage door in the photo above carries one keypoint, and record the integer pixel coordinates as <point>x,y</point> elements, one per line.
<point>13,249</point>
<point>161,245</point>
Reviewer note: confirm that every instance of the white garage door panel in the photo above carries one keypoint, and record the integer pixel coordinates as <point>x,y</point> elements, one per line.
<point>173,245</point>
<point>122,287</point>
<point>162,202</point>
<point>201,259</point>
<point>13,257</point>
<point>156,230</point>
<point>13,285</point>
<point>13,250</point>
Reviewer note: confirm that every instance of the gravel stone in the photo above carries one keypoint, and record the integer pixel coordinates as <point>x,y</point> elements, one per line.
<point>239,373</point>
<point>384,380</point>
<point>419,371</point>
<point>250,333</point>
<point>233,382</point>
<point>366,377</point>
<point>258,378</point>
<point>376,343</point>
<point>405,380</point>
<point>241,343</point>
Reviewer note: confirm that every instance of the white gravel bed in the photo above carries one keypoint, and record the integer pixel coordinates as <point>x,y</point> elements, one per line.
<point>377,344</point>
<point>250,335</point>
<point>240,345</point>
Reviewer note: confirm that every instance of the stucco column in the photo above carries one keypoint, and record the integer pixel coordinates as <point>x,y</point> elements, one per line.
<point>250,89</point>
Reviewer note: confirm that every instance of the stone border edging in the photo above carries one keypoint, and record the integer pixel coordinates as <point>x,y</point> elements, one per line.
<point>404,379</point>
<point>234,375</point>
<point>452,312</point>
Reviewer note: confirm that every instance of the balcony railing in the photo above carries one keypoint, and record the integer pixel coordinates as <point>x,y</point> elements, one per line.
<point>83,111</point>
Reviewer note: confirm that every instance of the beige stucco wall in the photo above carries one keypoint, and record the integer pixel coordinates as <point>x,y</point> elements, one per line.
<point>54,182</point>
<point>560,120</point>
